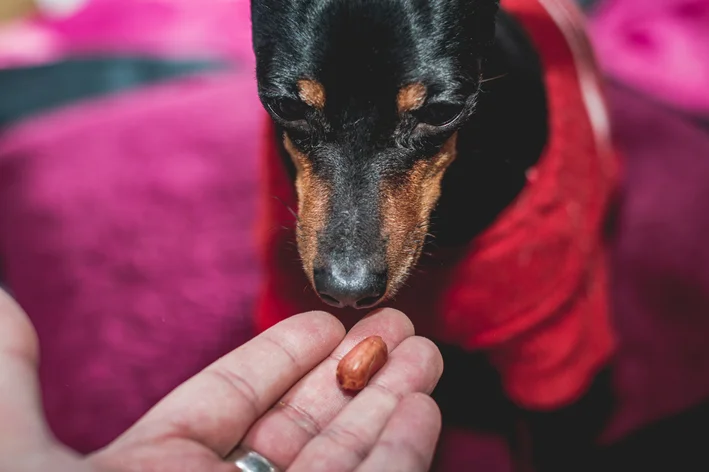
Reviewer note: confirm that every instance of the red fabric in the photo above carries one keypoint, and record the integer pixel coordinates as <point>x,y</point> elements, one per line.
<point>532,289</point>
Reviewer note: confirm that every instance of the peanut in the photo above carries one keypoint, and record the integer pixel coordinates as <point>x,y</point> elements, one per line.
<point>361,363</point>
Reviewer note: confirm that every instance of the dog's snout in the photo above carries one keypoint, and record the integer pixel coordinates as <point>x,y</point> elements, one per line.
<point>350,283</point>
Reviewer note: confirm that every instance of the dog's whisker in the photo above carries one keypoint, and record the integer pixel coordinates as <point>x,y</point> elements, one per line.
<point>290,210</point>
<point>490,79</point>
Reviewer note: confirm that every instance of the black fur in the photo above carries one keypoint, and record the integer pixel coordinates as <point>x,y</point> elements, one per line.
<point>362,52</point>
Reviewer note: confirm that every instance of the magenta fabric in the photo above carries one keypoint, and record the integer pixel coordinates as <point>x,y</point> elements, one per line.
<point>658,46</point>
<point>126,234</point>
<point>660,263</point>
<point>166,28</point>
<point>126,222</point>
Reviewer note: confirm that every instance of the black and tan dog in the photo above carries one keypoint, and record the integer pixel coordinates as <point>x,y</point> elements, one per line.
<point>480,128</point>
<point>372,96</point>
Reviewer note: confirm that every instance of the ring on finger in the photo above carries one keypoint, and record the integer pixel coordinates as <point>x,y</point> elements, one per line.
<point>247,460</point>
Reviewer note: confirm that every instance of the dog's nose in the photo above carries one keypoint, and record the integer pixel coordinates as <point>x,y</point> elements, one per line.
<point>351,283</point>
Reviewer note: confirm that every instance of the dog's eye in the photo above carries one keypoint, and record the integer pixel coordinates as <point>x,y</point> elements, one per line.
<point>439,114</point>
<point>288,109</point>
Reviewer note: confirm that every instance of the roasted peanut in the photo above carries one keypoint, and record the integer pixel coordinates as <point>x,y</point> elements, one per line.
<point>361,363</point>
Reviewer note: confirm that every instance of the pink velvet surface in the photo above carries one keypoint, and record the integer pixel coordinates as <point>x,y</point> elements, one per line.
<point>660,264</point>
<point>126,222</point>
<point>660,47</point>
<point>126,234</point>
<point>165,28</point>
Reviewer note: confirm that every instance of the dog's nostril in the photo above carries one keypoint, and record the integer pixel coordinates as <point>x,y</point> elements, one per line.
<point>329,300</point>
<point>352,284</point>
<point>368,302</point>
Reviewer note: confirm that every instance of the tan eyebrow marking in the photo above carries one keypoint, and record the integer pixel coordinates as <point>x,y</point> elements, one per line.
<point>312,92</point>
<point>411,97</point>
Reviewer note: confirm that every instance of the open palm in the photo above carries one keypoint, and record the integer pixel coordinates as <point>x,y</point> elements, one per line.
<point>276,394</point>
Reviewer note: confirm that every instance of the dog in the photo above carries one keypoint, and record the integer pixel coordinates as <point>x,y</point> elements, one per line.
<point>450,158</point>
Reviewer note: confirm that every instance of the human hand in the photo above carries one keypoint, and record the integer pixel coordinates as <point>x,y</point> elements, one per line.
<point>276,394</point>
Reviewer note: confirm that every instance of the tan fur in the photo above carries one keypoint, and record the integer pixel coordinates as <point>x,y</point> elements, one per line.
<point>312,92</point>
<point>313,203</point>
<point>411,97</point>
<point>406,208</point>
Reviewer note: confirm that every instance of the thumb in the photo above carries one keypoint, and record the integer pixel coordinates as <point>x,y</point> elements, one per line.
<point>26,444</point>
<point>21,423</point>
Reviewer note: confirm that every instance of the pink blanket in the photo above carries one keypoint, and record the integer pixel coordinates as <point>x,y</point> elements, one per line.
<point>660,47</point>
<point>126,222</point>
<point>157,27</point>
<point>125,232</point>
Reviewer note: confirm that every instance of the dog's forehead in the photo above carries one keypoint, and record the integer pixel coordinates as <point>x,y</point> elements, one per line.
<point>365,51</point>
<point>354,47</point>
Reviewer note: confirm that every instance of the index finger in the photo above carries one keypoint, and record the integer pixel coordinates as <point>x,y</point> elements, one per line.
<point>217,406</point>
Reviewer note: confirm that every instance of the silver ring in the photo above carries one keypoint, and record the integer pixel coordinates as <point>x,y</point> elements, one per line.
<point>247,460</point>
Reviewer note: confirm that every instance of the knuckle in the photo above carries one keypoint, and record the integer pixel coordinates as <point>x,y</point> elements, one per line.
<point>239,385</point>
<point>350,440</point>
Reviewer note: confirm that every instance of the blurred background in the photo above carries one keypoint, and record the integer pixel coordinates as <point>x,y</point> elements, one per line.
<point>129,140</point>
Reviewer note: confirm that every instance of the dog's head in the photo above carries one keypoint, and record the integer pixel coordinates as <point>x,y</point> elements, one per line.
<point>370,95</point>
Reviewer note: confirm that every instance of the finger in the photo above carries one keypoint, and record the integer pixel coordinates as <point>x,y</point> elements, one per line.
<point>409,439</point>
<point>20,402</point>
<point>414,366</point>
<point>305,410</point>
<point>26,443</point>
<point>216,407</point>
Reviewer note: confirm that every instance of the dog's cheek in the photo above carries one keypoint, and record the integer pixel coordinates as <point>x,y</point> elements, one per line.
<point>313,200</point>
<point>400,210</point>
<point>433,177</point>
<point>406,206</point>
<point>312,212</point>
